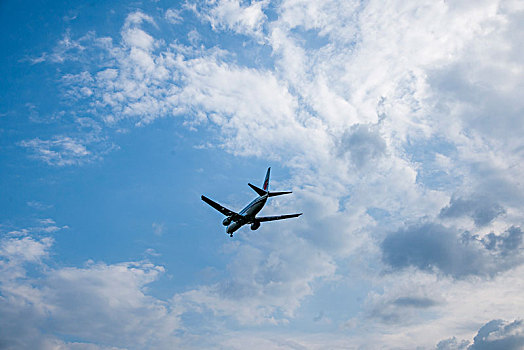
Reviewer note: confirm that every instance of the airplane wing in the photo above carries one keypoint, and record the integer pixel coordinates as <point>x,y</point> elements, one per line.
<point>278,217</point>
<point>220,208</point>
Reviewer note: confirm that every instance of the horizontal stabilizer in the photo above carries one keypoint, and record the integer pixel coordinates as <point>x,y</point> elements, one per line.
<point>258,190</point>
<point>273,194</point>
<point>220,208</point>
<point>279,217</point>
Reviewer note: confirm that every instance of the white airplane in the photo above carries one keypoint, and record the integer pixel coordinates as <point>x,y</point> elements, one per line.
<point>234,221</point>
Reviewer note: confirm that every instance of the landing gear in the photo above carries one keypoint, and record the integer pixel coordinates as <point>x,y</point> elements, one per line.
<point>231,235</point>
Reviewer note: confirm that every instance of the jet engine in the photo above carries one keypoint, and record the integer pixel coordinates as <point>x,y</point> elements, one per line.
<point>226,221</point>
<point>255,225</point>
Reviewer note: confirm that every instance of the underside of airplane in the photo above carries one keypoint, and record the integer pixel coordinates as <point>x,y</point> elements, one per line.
<point>246,216</point>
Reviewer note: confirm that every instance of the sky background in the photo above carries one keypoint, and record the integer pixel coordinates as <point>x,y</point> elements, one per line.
<point>397,124</point>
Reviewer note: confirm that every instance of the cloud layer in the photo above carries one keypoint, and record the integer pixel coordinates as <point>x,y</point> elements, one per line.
<point>400,124</point>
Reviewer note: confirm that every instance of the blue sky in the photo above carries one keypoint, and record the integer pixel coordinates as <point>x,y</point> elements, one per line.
<point>397,125</point>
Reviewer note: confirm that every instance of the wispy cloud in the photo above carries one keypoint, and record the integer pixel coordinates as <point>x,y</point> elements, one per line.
<point>158,228</point>
<point>60,151</point>
<point>173,16</point>
<point>39,205</point>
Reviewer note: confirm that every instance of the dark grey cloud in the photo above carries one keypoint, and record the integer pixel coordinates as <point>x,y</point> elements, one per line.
<point>498,334</point>
<point>401,310</point>
<point>363,143</point>
<point>431,246</point>
<point>494,335</point>
<point>387,316</point>
<point>506,243</point>
<point>481,209</point>
<point>420,303</point>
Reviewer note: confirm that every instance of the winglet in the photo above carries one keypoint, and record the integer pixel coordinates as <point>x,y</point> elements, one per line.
<point>265,187</point>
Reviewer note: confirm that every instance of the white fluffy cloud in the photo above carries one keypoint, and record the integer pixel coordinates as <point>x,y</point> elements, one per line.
<point>97,304</point>
<point>234,15</point>
<point>107,304</point>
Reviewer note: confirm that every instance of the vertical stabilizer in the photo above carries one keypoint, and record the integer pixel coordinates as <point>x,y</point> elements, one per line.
<point>266,181</point>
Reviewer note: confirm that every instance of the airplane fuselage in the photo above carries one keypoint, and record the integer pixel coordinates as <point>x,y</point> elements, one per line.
<point>247,215</point>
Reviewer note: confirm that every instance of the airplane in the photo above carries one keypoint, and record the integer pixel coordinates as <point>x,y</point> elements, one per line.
<point>234,221</point>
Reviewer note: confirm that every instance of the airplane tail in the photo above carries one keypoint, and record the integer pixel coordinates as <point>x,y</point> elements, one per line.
<point>265,189</point>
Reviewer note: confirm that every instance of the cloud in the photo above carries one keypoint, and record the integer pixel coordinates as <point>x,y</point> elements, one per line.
<point>495,334</point>
<point>173,16</point>
<point>334,85</point>
<point>39,205</point>
<point>454,308</point>
<point>363,145</point>
<point>432,246</point>
<point>85,143</point>
<point>138,38</point>
<point>61,150</point>
<point>498,334</point>
<point>403,310</point>
<point>145,86</point>
<point>506,243</point>
<point>158,228</point>
<point>99,303</point>
<point>65,150</point>
<point>406,300</point>
<point>137,18</point>
<point>452,344</point>
<point>67,49</point>
<point>20,298</point>
<point>234,15</point>
<point>41,227</point>
<point>107,304</point>
<point>414,302</point>
<point>263,287</point>
<point>21,250</point>
<point>480,209</point>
